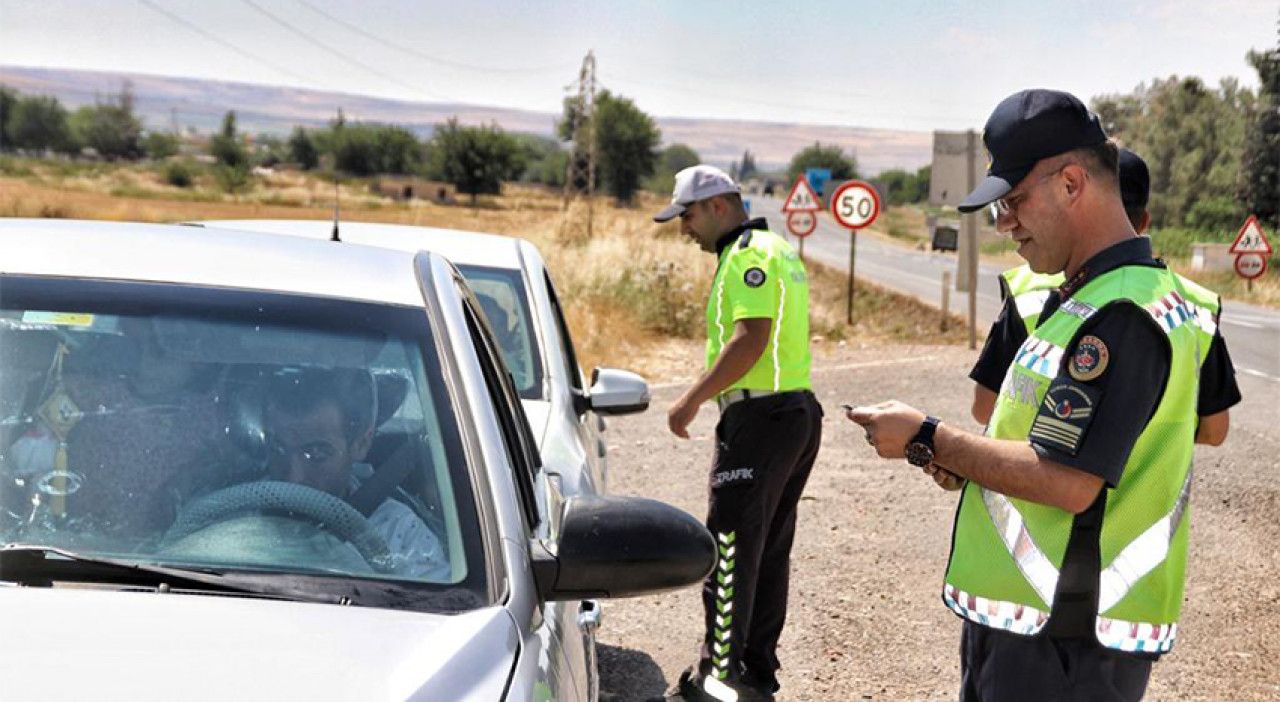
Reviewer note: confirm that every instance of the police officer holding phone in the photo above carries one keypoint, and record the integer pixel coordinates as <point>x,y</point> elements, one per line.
<point>1070,540</point>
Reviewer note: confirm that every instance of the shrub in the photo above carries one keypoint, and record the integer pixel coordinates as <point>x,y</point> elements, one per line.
<point>179,174</point>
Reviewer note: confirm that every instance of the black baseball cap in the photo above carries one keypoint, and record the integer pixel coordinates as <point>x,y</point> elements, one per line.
<point>1025,128</point>
<point>1135,180</point>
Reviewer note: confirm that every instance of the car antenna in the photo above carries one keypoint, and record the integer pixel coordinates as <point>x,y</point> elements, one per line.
<point>336,208</point>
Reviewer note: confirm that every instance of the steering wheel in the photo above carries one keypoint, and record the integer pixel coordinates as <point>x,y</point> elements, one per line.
<point>290,500</point>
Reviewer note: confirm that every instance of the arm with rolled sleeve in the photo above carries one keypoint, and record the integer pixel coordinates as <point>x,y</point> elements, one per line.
<point>415,549</point>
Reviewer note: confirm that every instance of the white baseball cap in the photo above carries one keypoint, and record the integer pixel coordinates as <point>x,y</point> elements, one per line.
<point>693,184</point>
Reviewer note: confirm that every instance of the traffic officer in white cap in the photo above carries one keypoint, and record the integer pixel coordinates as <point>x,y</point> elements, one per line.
<point>757,372</point>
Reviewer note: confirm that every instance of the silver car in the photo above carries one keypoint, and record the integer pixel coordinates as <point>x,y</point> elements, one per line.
<point>515,289</point>
<point>236,465</point>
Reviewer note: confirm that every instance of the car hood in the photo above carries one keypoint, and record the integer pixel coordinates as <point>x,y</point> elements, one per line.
<point>539,414</point>
<point>96,644</point>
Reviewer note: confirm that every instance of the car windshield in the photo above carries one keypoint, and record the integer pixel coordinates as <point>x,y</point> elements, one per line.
<point>233,431</point>
<point>503,296</point>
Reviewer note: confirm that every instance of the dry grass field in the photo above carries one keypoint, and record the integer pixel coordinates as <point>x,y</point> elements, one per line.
<point>633,290</point>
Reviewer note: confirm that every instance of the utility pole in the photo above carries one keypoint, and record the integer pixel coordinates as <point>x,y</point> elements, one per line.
<point>580,176</point>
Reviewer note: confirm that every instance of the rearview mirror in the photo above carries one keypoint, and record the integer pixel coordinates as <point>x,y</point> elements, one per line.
<point>622,547</point>
<point>616,391</point>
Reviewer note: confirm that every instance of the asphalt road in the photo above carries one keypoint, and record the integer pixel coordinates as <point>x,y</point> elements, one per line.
<point>865,621</point>
<point>1252,332</point>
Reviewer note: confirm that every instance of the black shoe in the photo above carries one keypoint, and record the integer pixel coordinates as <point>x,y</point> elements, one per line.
<point>692,687</point>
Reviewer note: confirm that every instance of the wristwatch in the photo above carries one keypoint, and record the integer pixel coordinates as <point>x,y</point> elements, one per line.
<point>920,448</point>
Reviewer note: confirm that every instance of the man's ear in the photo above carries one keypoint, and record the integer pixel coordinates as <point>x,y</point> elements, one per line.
<point>360,447</point>
<point>1074,178</point>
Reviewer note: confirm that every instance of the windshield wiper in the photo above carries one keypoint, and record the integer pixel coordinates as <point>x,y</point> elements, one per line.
<point>41,566</point>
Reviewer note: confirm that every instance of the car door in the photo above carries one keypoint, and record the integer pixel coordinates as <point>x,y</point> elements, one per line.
<point>550,634</point>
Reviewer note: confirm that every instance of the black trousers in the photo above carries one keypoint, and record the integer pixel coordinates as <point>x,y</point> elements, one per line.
<point>765,449</point>
<point>997,666</point>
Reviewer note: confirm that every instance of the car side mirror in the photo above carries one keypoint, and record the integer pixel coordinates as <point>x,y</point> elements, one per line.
<point>622,547</point>
<point>616,391</point>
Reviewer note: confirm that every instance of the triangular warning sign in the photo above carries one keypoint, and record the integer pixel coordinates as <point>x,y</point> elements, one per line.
<point>1251,238</point>
<point>802,198</point>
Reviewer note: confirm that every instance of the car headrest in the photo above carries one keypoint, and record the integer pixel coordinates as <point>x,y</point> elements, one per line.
<point>392,388</point>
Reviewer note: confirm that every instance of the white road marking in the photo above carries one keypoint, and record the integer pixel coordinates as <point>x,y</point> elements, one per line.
<point>823,369</point>
<point>1260,374</point>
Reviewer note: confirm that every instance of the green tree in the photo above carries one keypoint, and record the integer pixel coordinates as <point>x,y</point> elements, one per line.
<point>903,186</point>
<point>1260,179</point>
<point>303,150</point>
<point>747,166</point>
<point>818,156</point>
<point>626,144</point>
<point>1192,138</point>
<point>39,122</point>
<point>671,161</point>
<point>923,175</point>
<point>898,185</point>
<point>111,128</point>
<point>399,151</point>
<point>543,158</point>
<point>227,145</point>
<point>8,98</point>
<point>474,159</point>
<point>367,149</point>
<point>160,145</point>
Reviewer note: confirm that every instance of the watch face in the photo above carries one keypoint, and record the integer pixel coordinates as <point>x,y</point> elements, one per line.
<point>919,454</point>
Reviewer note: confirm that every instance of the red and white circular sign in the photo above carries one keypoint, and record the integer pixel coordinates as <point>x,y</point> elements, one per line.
<point>855,204</point>
<point>802,223</point>
<point>1251,265</point>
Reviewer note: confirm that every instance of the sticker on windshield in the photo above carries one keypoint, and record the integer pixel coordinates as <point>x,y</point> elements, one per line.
<point>61,319</point>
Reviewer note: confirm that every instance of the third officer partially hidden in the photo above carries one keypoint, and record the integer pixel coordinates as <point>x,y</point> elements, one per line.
<point>766,441</point>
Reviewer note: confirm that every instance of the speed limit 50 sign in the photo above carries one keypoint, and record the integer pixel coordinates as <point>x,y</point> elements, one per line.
<point>855,204</point>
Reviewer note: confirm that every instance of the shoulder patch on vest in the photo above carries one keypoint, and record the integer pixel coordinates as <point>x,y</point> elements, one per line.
<point>754,277</point>
<point>1064,416</point>
<point>1078,308</point>
<point>1090,359</point>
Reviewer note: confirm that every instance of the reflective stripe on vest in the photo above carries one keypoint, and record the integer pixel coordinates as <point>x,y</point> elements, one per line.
<point>1136,612</point>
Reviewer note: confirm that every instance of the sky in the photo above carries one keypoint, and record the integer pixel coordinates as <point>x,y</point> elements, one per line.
<point>899,65</point>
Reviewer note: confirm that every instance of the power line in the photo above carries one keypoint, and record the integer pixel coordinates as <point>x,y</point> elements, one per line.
<point>334,52</point>
<point>427,57</point>
<point>222,42</point>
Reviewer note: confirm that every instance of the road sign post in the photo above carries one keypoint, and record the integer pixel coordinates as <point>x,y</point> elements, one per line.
<point>854,205</point>
<point>801,206</point>
<point>801,224</point>
<point>1252,250</point>
<point>970,223</point>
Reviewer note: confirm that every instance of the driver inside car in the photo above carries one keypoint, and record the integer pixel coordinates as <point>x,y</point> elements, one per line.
<point>319,426</point>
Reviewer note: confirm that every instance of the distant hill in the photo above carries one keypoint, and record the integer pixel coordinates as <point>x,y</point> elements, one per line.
<point>189,102</point>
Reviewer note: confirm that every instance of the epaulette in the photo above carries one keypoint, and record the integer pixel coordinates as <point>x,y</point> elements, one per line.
<point>745,240</point>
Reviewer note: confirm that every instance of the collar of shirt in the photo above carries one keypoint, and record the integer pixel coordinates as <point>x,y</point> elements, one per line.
<point>733,234</point>
<point>1130,252</point>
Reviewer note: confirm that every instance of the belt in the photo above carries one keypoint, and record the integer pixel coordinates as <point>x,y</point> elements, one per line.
<point>728,398</point>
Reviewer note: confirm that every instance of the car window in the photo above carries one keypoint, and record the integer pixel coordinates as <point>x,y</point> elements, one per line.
<point>229,429</point>
<point>522,451</point>
<point>566,340</point>
<point>505,302</point>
